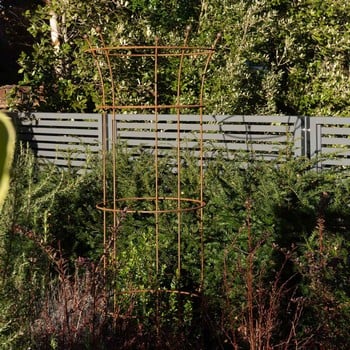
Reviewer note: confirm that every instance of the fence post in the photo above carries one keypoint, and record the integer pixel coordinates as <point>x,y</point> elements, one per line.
<point>305,136</point>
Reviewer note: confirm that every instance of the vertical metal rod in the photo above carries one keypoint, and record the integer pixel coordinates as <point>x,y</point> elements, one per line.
<point>114,159</point>
<point>104,150</point>
<point>201,158</point>
<point>156,152</point>
<point>178,156</point>
<point>115,225</point>
<point>104,182</point>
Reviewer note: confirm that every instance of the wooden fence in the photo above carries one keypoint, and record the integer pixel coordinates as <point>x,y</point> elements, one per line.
<point>329,140</point>
<point>68,138</point>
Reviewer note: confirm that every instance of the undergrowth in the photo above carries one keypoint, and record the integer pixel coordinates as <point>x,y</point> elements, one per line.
<point>276,260</point>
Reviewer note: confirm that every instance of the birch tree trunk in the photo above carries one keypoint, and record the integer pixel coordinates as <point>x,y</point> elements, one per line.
<point>55,31</point>
<point>58,28</point>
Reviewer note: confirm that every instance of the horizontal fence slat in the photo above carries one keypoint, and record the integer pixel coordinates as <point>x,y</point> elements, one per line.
<point>61,147</point>
<point>206,136</point>
<point>61,139</point>
<point>64,163</point>
<point>336,162</point>
<point>250,118</point>
<point>345,141</point>
<point>162,144</point>
<point>341,152</point>
<point>195,145</point>
<point>52,131</point>
<point>59,116</point>
<point>64,124</point>
<point>238,128</point>
<point>63,155</point>
<point>209,118</point>
<point>345,131</point>
<point>247,147</point>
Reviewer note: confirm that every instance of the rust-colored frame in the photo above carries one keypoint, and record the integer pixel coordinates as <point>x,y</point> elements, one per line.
<point>110,110</point>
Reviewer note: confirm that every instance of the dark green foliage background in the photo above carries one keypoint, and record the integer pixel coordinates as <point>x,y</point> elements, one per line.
<point>284,57</point>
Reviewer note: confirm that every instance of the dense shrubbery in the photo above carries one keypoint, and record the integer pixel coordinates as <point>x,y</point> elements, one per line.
<point>288,57</point>
<point>276,261</point>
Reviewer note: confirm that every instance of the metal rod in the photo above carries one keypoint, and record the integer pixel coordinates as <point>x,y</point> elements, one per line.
<point>158,107</point>
<point>178,155</point>
<point>201,175</point>
<point>156,152</point>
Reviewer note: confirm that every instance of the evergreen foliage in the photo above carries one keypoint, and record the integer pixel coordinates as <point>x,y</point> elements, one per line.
<point>276,260</point>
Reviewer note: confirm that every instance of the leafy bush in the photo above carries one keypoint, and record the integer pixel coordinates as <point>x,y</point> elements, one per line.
<point>276,259</point>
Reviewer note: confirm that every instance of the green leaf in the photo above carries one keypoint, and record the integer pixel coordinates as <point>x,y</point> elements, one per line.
<point>7,145</point>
